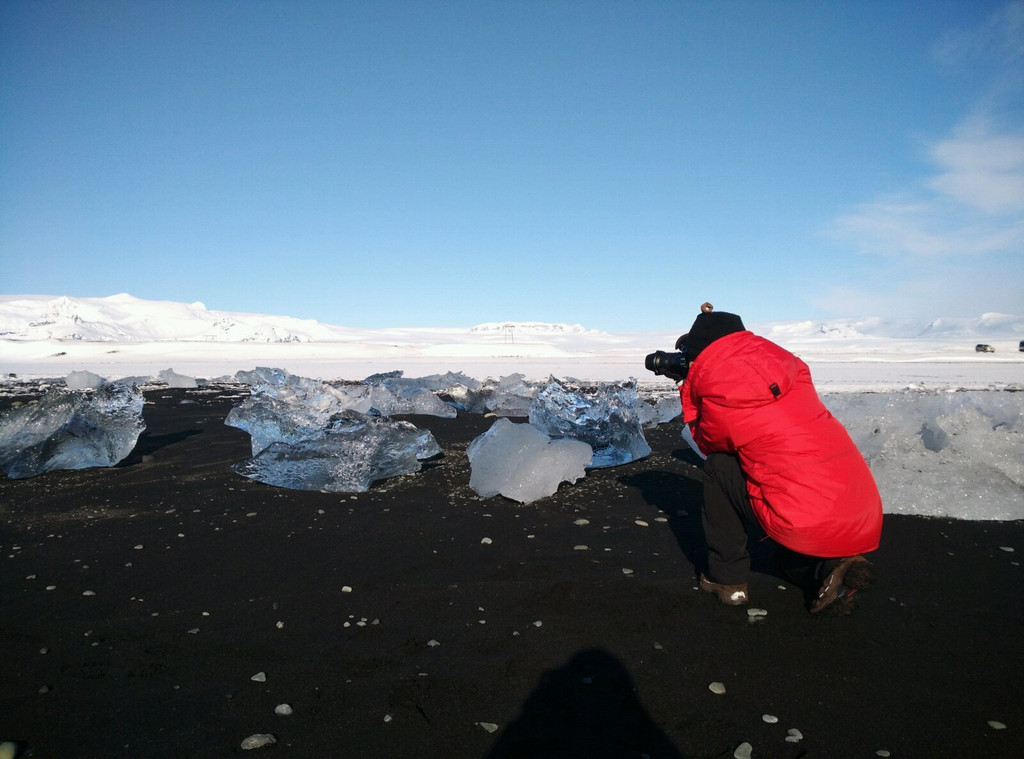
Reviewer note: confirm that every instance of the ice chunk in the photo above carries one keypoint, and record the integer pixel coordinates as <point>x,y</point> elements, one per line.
<point>655,411</point>
<point>391,395</point>
<point>353,452</point>
<point>443,383</point>
<point>284,408</point>
<point>423,401</point>
<point>687,435</point>
<point>941,454</point>
<point>71,429</point>
<point>520,462</point>
<point>138,379</point>
<point>380,377</point>
<point>311,435</point>
<point>605,415</point>
<point>83,380</point>
<point>262,375</point>
<point>454,388</point>
<point>173,379</point>
<point>510,395</point>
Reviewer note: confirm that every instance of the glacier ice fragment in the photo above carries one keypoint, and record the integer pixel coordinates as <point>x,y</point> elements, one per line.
<point>940,454</point>
<point>83,380</point>
<point>655,411</point>
<point>71,429</point>
<point>173,379</point>
<point>393,395</point>
<point>510,395</point>
<point>354,451</point>
<point>284,408</point>
<point>520,462</point>
<point>605,415</point>
<point>340,437</point>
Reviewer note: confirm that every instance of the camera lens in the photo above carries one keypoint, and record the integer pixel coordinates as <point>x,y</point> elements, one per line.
<point>672,364</point>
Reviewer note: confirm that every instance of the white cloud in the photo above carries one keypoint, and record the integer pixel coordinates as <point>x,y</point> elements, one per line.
<point>951,240</point>
<point>981,170</point>
<point>970,199</point>
<point>953,288</point>
<point>939,224</point>
<point>997,42</point>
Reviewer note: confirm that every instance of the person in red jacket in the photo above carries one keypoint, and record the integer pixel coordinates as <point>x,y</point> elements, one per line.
<point>775,457</point>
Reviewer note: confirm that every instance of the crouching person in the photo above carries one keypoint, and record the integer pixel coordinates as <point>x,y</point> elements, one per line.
<point>778,458</point>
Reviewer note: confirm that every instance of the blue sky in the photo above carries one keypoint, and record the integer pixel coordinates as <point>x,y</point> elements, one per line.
<point>449,163</point>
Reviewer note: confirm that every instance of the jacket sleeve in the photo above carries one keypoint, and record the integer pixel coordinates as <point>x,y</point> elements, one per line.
<point>711,430</point>
<point>707,427</point>
<point>689,422</point>
<point>689,410</point>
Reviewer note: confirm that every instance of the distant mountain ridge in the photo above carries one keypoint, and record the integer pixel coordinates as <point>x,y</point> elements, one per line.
<point>532,327</point>
<point>129,319</point>
<point>990,325</point>
<point>125,318</point>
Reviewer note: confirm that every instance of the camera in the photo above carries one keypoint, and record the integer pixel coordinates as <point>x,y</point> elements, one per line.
<point>672,365</point>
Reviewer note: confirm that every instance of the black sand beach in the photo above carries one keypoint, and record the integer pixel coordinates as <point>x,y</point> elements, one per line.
<point>420,621</point>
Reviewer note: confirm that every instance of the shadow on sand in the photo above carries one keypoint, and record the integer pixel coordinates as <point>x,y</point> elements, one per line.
<point>680,499</point>
<point>148,444</point>
<point>588,707</point>
<point>679,496</point>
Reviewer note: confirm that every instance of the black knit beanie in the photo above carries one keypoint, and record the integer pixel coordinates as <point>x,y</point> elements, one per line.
<point>708,327</point>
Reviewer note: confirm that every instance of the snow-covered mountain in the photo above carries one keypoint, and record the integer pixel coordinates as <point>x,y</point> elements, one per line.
<point>980,327</point>
<point>531,328</point>
<point>124,318</point>
<point>122,336</point>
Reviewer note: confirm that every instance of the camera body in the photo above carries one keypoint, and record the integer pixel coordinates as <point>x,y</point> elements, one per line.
<point>672,365</point>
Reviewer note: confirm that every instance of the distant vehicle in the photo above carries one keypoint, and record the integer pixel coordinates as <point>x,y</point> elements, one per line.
<point>1022,345</point>
<point>982,348</point>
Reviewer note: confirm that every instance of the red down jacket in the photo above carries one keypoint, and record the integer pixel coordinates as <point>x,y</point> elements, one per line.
<point>809,486</point>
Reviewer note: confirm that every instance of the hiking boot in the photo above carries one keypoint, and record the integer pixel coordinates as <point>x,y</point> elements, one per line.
<point>731,595</point>
<point>835,596</point>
